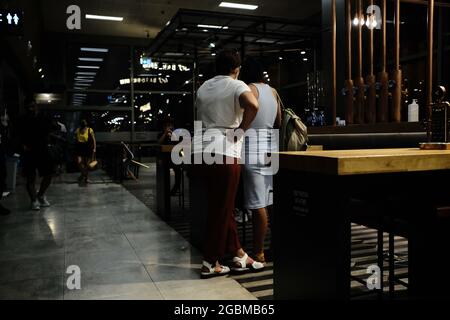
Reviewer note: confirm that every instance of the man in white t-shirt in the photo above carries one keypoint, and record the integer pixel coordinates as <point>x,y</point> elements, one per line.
<point>224,105</point>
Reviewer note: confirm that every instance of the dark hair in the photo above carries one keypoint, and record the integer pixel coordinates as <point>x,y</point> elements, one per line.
<point>252,71</point>
<point>227,61</point>
<point>83,123</point>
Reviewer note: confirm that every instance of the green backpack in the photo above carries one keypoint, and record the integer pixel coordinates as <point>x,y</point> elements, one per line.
<point>294,133</point>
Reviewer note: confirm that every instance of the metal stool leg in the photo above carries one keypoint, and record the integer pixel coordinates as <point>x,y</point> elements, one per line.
<point>380,256</point>
<point>391,265</point>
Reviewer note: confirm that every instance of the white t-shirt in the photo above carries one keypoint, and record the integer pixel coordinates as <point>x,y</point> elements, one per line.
<point>219,110</point>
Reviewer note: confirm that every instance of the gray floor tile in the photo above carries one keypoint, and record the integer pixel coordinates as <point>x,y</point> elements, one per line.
<point>31,268</point>
<point>103,262</point>
<point>35,289</point>
<point>111,242</point>
<point>132,283</point>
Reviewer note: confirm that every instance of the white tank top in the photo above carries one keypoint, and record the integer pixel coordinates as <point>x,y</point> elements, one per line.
<point>268,107</point>
<point>263,124</point>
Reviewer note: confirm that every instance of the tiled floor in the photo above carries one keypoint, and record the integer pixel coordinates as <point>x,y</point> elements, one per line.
<point>123,249</point>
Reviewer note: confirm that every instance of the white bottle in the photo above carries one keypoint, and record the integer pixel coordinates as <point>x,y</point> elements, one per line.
<point>413,111</point>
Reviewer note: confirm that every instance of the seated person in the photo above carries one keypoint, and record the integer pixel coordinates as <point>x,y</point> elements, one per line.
<point>165,138</point>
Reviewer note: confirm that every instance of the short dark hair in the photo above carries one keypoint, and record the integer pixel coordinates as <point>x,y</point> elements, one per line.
<point>227,61</point>
<point>252,71</point>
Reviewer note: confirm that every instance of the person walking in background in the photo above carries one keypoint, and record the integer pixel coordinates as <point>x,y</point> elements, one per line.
<point>85,149</point>
<point>224,105</point>
<point>3,136</point>
<point>35,129</point>
<point>257,177</point>
<point>165,138</point>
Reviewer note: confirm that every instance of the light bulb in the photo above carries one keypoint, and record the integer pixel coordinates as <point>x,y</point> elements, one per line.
<point>356,21</point>
<point>362,22</point>
<point>374,23</point>
<point>369,22</point>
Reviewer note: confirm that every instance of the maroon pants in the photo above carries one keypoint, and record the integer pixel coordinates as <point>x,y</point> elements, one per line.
<point>221,237</point>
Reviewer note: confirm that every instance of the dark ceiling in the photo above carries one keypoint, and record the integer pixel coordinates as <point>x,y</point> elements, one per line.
<point>144,18</point>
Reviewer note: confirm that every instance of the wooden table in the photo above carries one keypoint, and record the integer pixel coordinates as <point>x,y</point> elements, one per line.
<point>312,235</point>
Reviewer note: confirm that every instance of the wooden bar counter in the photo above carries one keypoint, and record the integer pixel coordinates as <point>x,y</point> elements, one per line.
<point>313,215</point>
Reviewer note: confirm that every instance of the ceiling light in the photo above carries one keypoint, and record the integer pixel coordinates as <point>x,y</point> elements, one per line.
<point>83,84</point>
<point>213,54</point>
<point>88,67</point>
<point>211,26</point>
<point>265,41</point>
<point>87,73</point>
<point>43,76</point>
<point>305,59</point>
<point>84,80</point>
<point>174,54</point>
<point>212,45</point>
<point>40,70</point>
<point>91,59</point>
<point>280,58</point>
<point>303,52</point>
<point>84,77</point>
<point>238,6</point>
<point>109,18</point>
<point>94,50</point>
<point>356,21</point>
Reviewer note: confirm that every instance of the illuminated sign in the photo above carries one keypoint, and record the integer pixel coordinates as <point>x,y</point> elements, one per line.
<point>11,22</point>
<point>145,80</point>
<point>148,64</point>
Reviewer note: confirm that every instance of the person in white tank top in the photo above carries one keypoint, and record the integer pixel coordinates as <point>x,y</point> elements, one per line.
<point>257,178</point>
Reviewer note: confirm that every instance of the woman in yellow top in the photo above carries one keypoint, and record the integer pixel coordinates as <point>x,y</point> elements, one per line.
<point>85,149</point>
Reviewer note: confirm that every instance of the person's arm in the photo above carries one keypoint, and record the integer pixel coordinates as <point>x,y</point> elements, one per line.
<point>250,104</point>
<point>91,132</point>
<point>162,138</point>
<point>279,117</point>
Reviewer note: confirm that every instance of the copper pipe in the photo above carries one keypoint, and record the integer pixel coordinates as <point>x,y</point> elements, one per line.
<point>333,62</point>
<point>383,76</point>
<point>430,65</point>
<point>371,80</point>
<point>359,82</point>
<point>349,98</point>
<point>397,75</point>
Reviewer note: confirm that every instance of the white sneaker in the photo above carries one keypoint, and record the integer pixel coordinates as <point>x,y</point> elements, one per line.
<point>35,205</point>
<point>43,202</point>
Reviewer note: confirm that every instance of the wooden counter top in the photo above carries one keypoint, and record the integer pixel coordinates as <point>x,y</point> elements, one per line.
<point>356,162</point>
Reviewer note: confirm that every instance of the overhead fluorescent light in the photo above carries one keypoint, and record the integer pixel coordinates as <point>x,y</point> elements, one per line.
<point>84,77</point>
<point>234,5</point>
<point>40,70</point>
<point>94,50</point>
<point>91,59</point>
<point>265,41</point>
<point>84,80</point>
<point>173,54</point>
<point>83,84</point>
<point>108,18</point>
<point>88,67</point>
<point>302,52</point>
<point>86,73</point>
<point>212,26</point>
